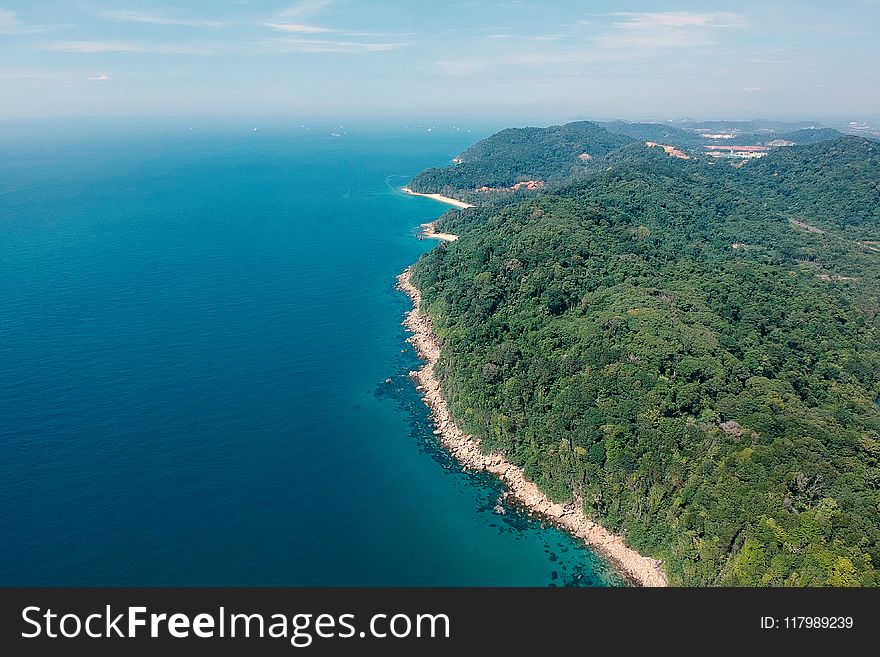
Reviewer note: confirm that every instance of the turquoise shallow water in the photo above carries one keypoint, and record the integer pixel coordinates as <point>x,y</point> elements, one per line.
<point>195,331</point>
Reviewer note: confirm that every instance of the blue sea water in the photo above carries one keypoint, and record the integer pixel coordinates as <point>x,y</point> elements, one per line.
<point>196,327</point>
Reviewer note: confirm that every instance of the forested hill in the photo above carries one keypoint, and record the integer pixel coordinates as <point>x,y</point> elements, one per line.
<point>522,154</point>
<point>836,183</point>
<point>810,135</point>
<point>658,132</point>
<point>691,348</point>
<point>517,162</point>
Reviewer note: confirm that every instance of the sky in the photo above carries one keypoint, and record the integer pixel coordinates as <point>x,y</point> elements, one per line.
<point>515,60</point>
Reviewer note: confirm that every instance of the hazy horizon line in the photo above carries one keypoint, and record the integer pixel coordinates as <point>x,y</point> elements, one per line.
<point>442,121</point>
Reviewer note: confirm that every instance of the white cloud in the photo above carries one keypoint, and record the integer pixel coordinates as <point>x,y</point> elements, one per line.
<point>10,24</point>
<point>8,21</point>
<point>290,20</point>
<point>665,30</point>
<point>751,89</point>
<point>629,36</point>
<point>330,46</point>
<point>335,40</point>
<point>296,28</point>
<point>100,78</point>
<point>678,19</point>
<point>94,46</point>
<point>88,47</point>
<point>126,16</point>
<point>304,8</point>
<point>616,37</point>
<point>338,40</point>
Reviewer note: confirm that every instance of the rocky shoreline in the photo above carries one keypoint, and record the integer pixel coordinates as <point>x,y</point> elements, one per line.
<point>637,569</point>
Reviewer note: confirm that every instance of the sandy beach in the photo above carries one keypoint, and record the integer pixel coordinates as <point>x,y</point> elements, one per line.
<point>428,230</point>
<point>439,197</point>
<point>638,569</point>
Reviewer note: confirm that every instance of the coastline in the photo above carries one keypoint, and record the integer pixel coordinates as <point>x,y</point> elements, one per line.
<point>637,569</point>
<point>439,197</point>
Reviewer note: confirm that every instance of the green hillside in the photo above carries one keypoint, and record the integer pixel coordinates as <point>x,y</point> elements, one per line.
<point>517,154</point>
<point>692,349</point>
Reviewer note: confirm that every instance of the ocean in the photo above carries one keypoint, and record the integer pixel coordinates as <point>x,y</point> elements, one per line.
<point>197,322</point>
